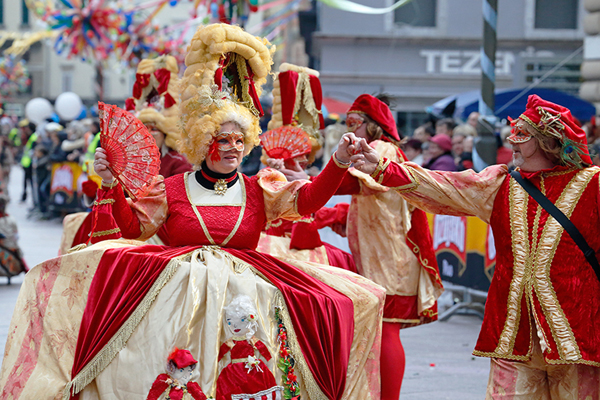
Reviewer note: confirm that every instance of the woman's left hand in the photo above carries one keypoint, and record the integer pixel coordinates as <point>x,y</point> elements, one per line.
<point>367,159</point>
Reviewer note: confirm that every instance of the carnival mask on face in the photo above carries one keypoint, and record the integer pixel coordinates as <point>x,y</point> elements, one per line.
<point>227,141</point>
<point>353,123</point>
<point>519,135</point>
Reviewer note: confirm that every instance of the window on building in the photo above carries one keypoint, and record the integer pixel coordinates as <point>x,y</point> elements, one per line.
<point>567,78</point>
<point>556,14</point>
<point>1,12</point>
<point>418,13</point>
<point>67,80</point>
<point>24,13</point>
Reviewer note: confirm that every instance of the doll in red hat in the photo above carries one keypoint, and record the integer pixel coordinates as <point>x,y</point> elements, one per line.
<point>541,314</point>
<point>180,365</point>
<point>247,376</point>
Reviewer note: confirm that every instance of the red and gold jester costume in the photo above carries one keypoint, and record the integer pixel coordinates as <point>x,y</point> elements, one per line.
<point>396,251</point>
<point>544,294</point>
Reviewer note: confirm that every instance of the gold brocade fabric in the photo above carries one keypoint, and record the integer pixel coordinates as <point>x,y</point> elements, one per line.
<point>187,313</point>
<point>536,379</point>
<point>45,324</point>
<point>454,193</point>
<point>71,224</point>
<point>280,247</point>
<point>368,298</point>
<point>378,221</point>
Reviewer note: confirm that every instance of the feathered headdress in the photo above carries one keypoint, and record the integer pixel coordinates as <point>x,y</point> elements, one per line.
<point>226,68</point>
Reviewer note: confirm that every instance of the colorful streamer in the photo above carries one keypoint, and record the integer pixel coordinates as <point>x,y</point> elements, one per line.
<point>14,77</point>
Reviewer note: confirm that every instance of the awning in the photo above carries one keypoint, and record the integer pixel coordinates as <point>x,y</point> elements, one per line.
<point>461,105</point>
<point>334,106</point>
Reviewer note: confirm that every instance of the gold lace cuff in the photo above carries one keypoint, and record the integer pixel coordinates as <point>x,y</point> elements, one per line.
<point>105,201</point>
<point>110,185</point>
<point>106,233</point>
<point>339,163</point>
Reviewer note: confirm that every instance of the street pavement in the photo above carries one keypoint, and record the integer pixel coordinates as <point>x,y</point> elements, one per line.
<point>439,364</point>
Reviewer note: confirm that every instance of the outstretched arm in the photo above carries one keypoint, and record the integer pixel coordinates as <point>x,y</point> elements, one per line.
<point>292,200</point>
<point>452,193</point>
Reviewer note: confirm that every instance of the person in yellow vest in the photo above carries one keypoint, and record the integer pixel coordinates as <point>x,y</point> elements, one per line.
<point>94,136</point>
<point>29,137</point>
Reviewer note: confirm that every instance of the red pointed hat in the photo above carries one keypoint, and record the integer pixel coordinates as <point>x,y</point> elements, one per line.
<point>378,111</point>
<point>182,358</point>
<point>556,121</point>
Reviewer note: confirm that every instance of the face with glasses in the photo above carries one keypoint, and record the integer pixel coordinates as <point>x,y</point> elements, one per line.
<point>357,124</point>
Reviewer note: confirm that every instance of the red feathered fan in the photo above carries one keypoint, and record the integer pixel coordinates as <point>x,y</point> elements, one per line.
<point>286,142</point>
<point>131,150</point>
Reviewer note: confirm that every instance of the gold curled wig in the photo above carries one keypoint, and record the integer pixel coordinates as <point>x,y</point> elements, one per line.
<point>226,68</point>
<point>298,91</point>
<point>155,99</point>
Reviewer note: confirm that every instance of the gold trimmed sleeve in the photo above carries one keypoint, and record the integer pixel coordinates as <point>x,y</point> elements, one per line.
<point>339,163</point>
<point>464,193</point>
<point>110,185</point>
<point>281,196</point>
<point>152,209</point>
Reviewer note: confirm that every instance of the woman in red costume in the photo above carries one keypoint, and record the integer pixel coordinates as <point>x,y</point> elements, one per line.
<point>397,251</point>
<point>103,319</point>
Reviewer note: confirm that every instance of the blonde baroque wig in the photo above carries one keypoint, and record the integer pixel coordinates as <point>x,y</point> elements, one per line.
<point>204,108</point>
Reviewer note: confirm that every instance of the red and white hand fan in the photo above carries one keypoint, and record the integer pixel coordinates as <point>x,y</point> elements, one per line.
<point>131,150</point>
<point>286,142</point>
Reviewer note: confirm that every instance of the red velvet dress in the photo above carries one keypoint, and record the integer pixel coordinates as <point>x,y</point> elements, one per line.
<point>236,229</point>
<point>236,378</point>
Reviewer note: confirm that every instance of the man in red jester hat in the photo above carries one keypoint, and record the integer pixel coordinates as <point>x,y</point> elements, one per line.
<point>542,317</point>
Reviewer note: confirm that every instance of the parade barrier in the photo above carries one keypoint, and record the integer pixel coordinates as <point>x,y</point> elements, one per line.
<point>466,256</point>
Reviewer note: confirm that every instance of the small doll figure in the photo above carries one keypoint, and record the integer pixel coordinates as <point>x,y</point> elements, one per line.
<point>247,376</point>
<point>180,365</point>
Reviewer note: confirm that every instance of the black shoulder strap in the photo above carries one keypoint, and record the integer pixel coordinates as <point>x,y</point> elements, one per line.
<point>588,252</point>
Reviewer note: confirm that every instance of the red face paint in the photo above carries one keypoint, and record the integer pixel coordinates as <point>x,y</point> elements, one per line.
<point>213,151</point>
<point>225,141</point>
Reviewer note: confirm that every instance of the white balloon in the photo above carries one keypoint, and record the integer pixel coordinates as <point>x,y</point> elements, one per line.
<point>68,106</point>
<point>38,109</point>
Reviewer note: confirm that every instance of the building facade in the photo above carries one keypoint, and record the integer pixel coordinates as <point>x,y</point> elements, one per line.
<point>430,49</point>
